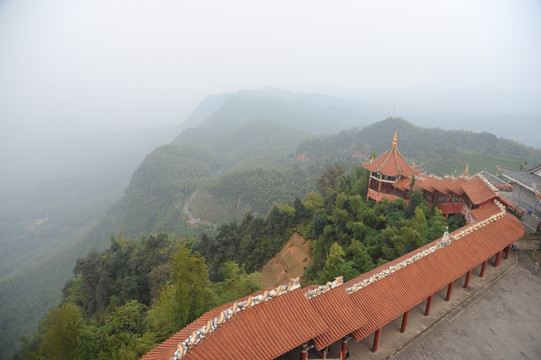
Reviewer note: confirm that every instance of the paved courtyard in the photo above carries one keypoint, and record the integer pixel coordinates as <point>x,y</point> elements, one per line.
<point>502,322</point>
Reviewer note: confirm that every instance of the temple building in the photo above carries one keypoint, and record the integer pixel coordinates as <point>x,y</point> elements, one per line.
<point>293,320</point>
<point>387,171</point>
<point>393,176</point>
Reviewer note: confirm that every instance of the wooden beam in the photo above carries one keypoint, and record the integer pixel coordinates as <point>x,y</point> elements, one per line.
<point>449,291</point>
<point>344,350</point>
<point>498,259</point>
<point>428,303</point>
<point>507,251</point>
<point>376,340</point>
<point>483,268</point>
<point>304,352</point>
<point>404,321</point>
<point>467,281</point>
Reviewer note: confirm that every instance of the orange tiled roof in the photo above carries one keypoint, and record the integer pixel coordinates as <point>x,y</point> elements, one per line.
<point>391,163</point>
<point>386,299</point>
<point>485,211</point>
<point>339,314</point>
<point>263,331</point>
<point>403,184</point>
<point>478,191</point>
<point>430,183</point>
<point>274,327</point>
<point>455,185</point>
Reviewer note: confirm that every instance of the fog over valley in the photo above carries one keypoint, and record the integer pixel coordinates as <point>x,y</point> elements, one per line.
<point>70,68</point>
<point>122,120</point>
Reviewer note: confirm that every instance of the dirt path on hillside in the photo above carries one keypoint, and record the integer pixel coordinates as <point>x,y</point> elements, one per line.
<point>185,208</point>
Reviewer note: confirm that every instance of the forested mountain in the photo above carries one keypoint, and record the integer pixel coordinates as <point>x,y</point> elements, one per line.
<point>437,151</point>
<point>138,292</point>
<point>246,152</point>
<point>42,228</point>
<point>44,253</point>
<point>249,166</point>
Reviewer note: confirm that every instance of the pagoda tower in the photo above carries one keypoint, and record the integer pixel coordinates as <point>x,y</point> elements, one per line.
<point>385,170</point>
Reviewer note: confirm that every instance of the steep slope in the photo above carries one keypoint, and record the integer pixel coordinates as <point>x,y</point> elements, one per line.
<point>154,200</point>
<point>289,263</point>
<point>42,228</point>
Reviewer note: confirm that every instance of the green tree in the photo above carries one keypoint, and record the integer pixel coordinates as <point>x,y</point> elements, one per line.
<point>122,330</point>
<point>237,283</point>
<point>66,336</point>
<point>415,200</point>
<point>329,181</point>
<point>360,257</point>
<point>334,265</point>
<point>419,223</point>
<point>437,228</point>
<point>187,296</point>
<point>314,201</point>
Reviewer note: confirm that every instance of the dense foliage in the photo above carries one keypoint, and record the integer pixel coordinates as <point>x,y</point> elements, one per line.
<point>130,297</point>
<point>442,152</point>
<point>249,166</point>
<point>137,293</point>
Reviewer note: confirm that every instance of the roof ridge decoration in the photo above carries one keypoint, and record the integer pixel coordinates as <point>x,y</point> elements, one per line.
<point>490,186</point>
<point>445,240</point>
<point>324,288</point>
<point>227,314</point>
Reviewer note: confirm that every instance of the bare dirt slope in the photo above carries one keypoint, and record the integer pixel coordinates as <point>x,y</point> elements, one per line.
<point>289,263</point>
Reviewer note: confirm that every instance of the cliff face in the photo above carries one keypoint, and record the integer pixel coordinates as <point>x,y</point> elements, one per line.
<point>289,263</point>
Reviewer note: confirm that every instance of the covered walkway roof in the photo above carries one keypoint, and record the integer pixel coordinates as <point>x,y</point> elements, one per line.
<point>277,321</point>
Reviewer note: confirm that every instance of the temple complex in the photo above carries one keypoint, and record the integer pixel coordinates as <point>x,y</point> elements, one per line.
<point>275,321</point>
<point>392,176</point>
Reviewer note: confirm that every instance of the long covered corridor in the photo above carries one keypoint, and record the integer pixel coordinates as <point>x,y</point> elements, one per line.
<point>392,339</point>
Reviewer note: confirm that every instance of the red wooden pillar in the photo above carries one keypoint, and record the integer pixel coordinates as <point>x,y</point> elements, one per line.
<point>428,303</point>
<point>507,251</point>
<point>324,353</point>
<point>449,291</point>
<point>483,268</point>
<point>304,352</point>
<point>498,259</point>
<point>467,281</point>
<point>376,340</point>
<point>344,350</point>
<point>404,321</point>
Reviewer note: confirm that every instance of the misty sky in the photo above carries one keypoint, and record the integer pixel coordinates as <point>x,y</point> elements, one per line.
<point>70,64</point>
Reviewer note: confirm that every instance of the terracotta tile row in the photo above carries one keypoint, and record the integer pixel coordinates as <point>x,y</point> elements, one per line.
<point>339,313</point>
<point>390,297</point>
<point>477,191</point>
<point>391,163</point>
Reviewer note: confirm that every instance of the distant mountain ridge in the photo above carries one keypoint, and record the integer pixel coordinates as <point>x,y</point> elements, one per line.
<point>318,114</point>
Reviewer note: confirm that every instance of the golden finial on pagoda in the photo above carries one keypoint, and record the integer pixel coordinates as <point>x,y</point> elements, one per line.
<point>467,170</point>
<point>395,140</point>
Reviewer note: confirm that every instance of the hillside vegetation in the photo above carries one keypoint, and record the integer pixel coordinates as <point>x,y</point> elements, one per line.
<point>240,156</point>
<point>442,152</point>
<point>138,292</point>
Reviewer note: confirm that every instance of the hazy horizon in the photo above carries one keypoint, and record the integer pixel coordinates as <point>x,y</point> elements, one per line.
<point>69,67</point>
